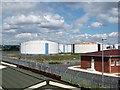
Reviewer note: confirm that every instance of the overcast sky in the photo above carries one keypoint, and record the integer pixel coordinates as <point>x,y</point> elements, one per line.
<point>63,22</point>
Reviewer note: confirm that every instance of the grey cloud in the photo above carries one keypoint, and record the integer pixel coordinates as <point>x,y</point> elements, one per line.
<point>108,18</point>
<point>52,21</point>
<point>14,5</point>
<point>95,9</point>
<point>103,11</point>
<point>22,19</point>
<point>47,21</point>
<point>16,8</point>
<point>61,1</point>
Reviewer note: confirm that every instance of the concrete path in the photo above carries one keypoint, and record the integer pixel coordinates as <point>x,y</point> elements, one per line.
<point>77,68</point>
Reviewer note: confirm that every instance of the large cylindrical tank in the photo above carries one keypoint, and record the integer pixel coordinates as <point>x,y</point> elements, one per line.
<point>39,47</point>
<point>85,48</point>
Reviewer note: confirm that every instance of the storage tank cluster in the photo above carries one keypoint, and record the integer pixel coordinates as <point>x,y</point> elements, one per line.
<point>50,47</point>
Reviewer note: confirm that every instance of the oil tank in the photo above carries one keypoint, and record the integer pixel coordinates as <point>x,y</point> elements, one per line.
<point>39,47</point>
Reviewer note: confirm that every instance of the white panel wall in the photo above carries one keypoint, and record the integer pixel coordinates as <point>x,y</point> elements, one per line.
<point>22,48</point>
<point>116,46</point>
<point>85,48</point>
<point>69,48</point>
<point>60,48</point>
<point>53,47</point>
<point>38,47</point>
<point>104,47</point>
<point>65,48</point>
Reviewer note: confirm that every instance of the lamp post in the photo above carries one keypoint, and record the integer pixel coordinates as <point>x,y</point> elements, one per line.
<point>103,63</point>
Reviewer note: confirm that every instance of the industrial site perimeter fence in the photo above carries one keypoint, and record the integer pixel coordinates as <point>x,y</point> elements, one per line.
<point>82,79</point>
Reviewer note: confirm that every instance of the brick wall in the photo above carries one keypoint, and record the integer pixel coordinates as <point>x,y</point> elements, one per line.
<point>115,68</point>
<point>98,64</point>
<point>86,62</point>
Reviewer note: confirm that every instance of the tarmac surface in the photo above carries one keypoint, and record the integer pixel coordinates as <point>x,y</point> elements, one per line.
<point>18,79</point>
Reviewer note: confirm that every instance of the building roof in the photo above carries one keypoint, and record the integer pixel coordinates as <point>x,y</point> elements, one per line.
<point>86,43</point>
<point>15,78</point>
<point>39,40</point>
<point>107,53</point>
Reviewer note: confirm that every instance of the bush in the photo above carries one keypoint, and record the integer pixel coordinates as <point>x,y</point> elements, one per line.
<point>55,63</point>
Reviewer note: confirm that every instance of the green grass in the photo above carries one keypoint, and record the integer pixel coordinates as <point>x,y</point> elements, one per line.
<point>40,58</point>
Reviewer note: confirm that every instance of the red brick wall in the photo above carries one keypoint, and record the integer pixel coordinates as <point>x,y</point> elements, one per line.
<point>98,64</point>
<point>86,61</point>
<point>115,68</point>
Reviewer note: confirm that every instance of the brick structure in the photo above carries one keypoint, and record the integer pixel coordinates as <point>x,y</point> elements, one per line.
<point>93,60</point>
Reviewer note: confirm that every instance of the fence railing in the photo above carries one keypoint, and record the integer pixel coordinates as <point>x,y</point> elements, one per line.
<point>82,79</point>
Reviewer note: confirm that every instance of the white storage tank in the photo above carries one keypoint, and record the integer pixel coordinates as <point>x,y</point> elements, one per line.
<point>39,47</point>
<point>65,48</point>
<point>61,48</point>
<point>69,46</point>
<point>85,47</point>
<point>113,46</point>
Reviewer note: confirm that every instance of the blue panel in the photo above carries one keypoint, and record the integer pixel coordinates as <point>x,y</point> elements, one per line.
<point>46,48</point>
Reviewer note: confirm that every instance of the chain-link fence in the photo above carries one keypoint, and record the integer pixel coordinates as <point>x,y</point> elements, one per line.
<point>81,79</point>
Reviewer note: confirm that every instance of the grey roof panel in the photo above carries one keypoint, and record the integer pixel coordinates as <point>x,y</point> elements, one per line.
<point>12,78</point>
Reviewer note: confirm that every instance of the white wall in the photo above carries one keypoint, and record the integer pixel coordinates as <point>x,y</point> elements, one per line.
<point>22,48</point>
<point>38,47</point>
<point>53,47</point>
<point>65,48</point>
<point>85,48</point>
<point>69,48</point>
<point>60,48</point>
<point>117,45</point>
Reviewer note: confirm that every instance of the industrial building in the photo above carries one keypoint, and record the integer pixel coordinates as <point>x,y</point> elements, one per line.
<point>93,61</point>
<point>39,47</point>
